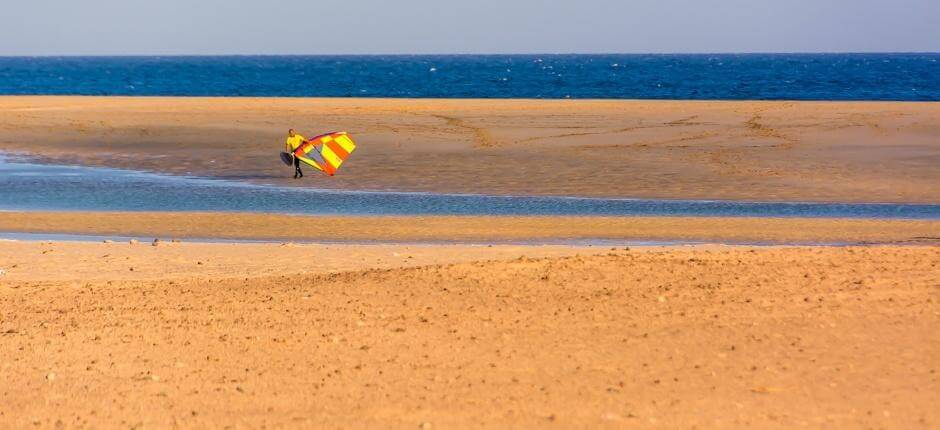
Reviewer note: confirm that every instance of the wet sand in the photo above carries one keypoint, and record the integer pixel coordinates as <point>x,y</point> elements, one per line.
<point>483,229</point>
<point>676,337</point>
<point>744,150</point>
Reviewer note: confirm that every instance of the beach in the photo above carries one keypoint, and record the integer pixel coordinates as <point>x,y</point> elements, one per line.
<point>479,229</point>
<point>357,319</point>
<point>449,336</point>
<point>737,150</point>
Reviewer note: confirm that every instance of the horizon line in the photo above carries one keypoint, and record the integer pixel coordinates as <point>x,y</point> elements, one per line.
<point>477,54</point>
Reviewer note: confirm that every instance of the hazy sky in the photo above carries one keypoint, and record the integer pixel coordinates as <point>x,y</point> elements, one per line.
<point>90,27</point>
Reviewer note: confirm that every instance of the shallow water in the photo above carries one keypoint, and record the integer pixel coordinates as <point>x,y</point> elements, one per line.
<point>34,187</point>
<point>617,76</point>
<point>599,242</point>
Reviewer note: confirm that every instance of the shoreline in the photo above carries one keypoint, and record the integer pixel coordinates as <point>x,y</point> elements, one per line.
<point>457,99</point>
<point>775,151</point>
<point>472,229</point>
<point>38,160</point>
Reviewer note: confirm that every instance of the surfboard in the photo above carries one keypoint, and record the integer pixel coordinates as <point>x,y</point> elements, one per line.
<point>287,159</point>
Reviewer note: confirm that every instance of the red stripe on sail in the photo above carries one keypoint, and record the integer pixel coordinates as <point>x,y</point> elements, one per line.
<point>338,149</point>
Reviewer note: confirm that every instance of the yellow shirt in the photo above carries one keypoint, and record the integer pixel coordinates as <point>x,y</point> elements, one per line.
<point>294,142</point>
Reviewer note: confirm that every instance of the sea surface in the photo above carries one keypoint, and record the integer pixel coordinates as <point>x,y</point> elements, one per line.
<point>32,187</point>
<point>709,76</point>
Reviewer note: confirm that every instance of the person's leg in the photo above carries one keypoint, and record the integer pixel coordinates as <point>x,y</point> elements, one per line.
<point>297,172</point>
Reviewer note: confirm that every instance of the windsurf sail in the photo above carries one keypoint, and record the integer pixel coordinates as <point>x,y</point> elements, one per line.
<point>326,152</point>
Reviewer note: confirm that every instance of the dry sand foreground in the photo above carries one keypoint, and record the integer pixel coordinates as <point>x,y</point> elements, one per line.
<point>707,337</point>
<point>798,151</point>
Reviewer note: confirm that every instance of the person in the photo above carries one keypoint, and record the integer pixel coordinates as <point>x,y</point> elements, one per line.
<point>294,141</point>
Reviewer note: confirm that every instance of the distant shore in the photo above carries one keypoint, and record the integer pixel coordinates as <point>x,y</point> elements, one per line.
<point>735,150</point>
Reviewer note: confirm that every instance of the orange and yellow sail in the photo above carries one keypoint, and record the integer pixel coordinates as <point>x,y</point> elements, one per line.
<point>326,152</point>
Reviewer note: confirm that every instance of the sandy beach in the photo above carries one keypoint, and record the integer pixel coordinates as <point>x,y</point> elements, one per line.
<point>402,336</point>
<point>481,229</point>
<point>480,321</point>
<point>739,150</point>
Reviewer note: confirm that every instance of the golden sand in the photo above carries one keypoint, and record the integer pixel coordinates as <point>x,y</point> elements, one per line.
<point>198,335</point>
<point>706,337</point>
<point>797,151</point>
<point>471,228</point>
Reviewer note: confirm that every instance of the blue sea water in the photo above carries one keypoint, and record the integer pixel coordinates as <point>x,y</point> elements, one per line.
<point>712,76</point>
<point>25,186</point>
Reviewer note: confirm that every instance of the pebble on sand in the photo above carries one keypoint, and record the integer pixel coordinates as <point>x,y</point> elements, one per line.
<point>156,242</point>
<point>133,241</point>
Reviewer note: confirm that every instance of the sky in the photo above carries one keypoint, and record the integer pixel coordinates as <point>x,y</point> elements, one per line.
<point>222,27</point>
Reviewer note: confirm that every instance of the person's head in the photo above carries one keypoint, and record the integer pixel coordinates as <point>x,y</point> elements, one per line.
<point>290,132</point>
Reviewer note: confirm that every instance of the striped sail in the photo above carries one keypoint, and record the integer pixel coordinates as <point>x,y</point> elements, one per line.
<point>326,152</point>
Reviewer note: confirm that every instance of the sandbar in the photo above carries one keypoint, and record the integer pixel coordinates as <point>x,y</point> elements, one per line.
<point>481,229</point>
<point>735,150</point>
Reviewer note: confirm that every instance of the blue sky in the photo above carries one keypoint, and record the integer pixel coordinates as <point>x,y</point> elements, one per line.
<point>123,27</point>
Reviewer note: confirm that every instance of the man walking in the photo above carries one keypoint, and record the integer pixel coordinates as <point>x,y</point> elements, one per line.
<point>294,141</point>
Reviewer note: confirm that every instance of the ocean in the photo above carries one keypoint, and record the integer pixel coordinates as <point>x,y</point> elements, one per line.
<point>902,77</point>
